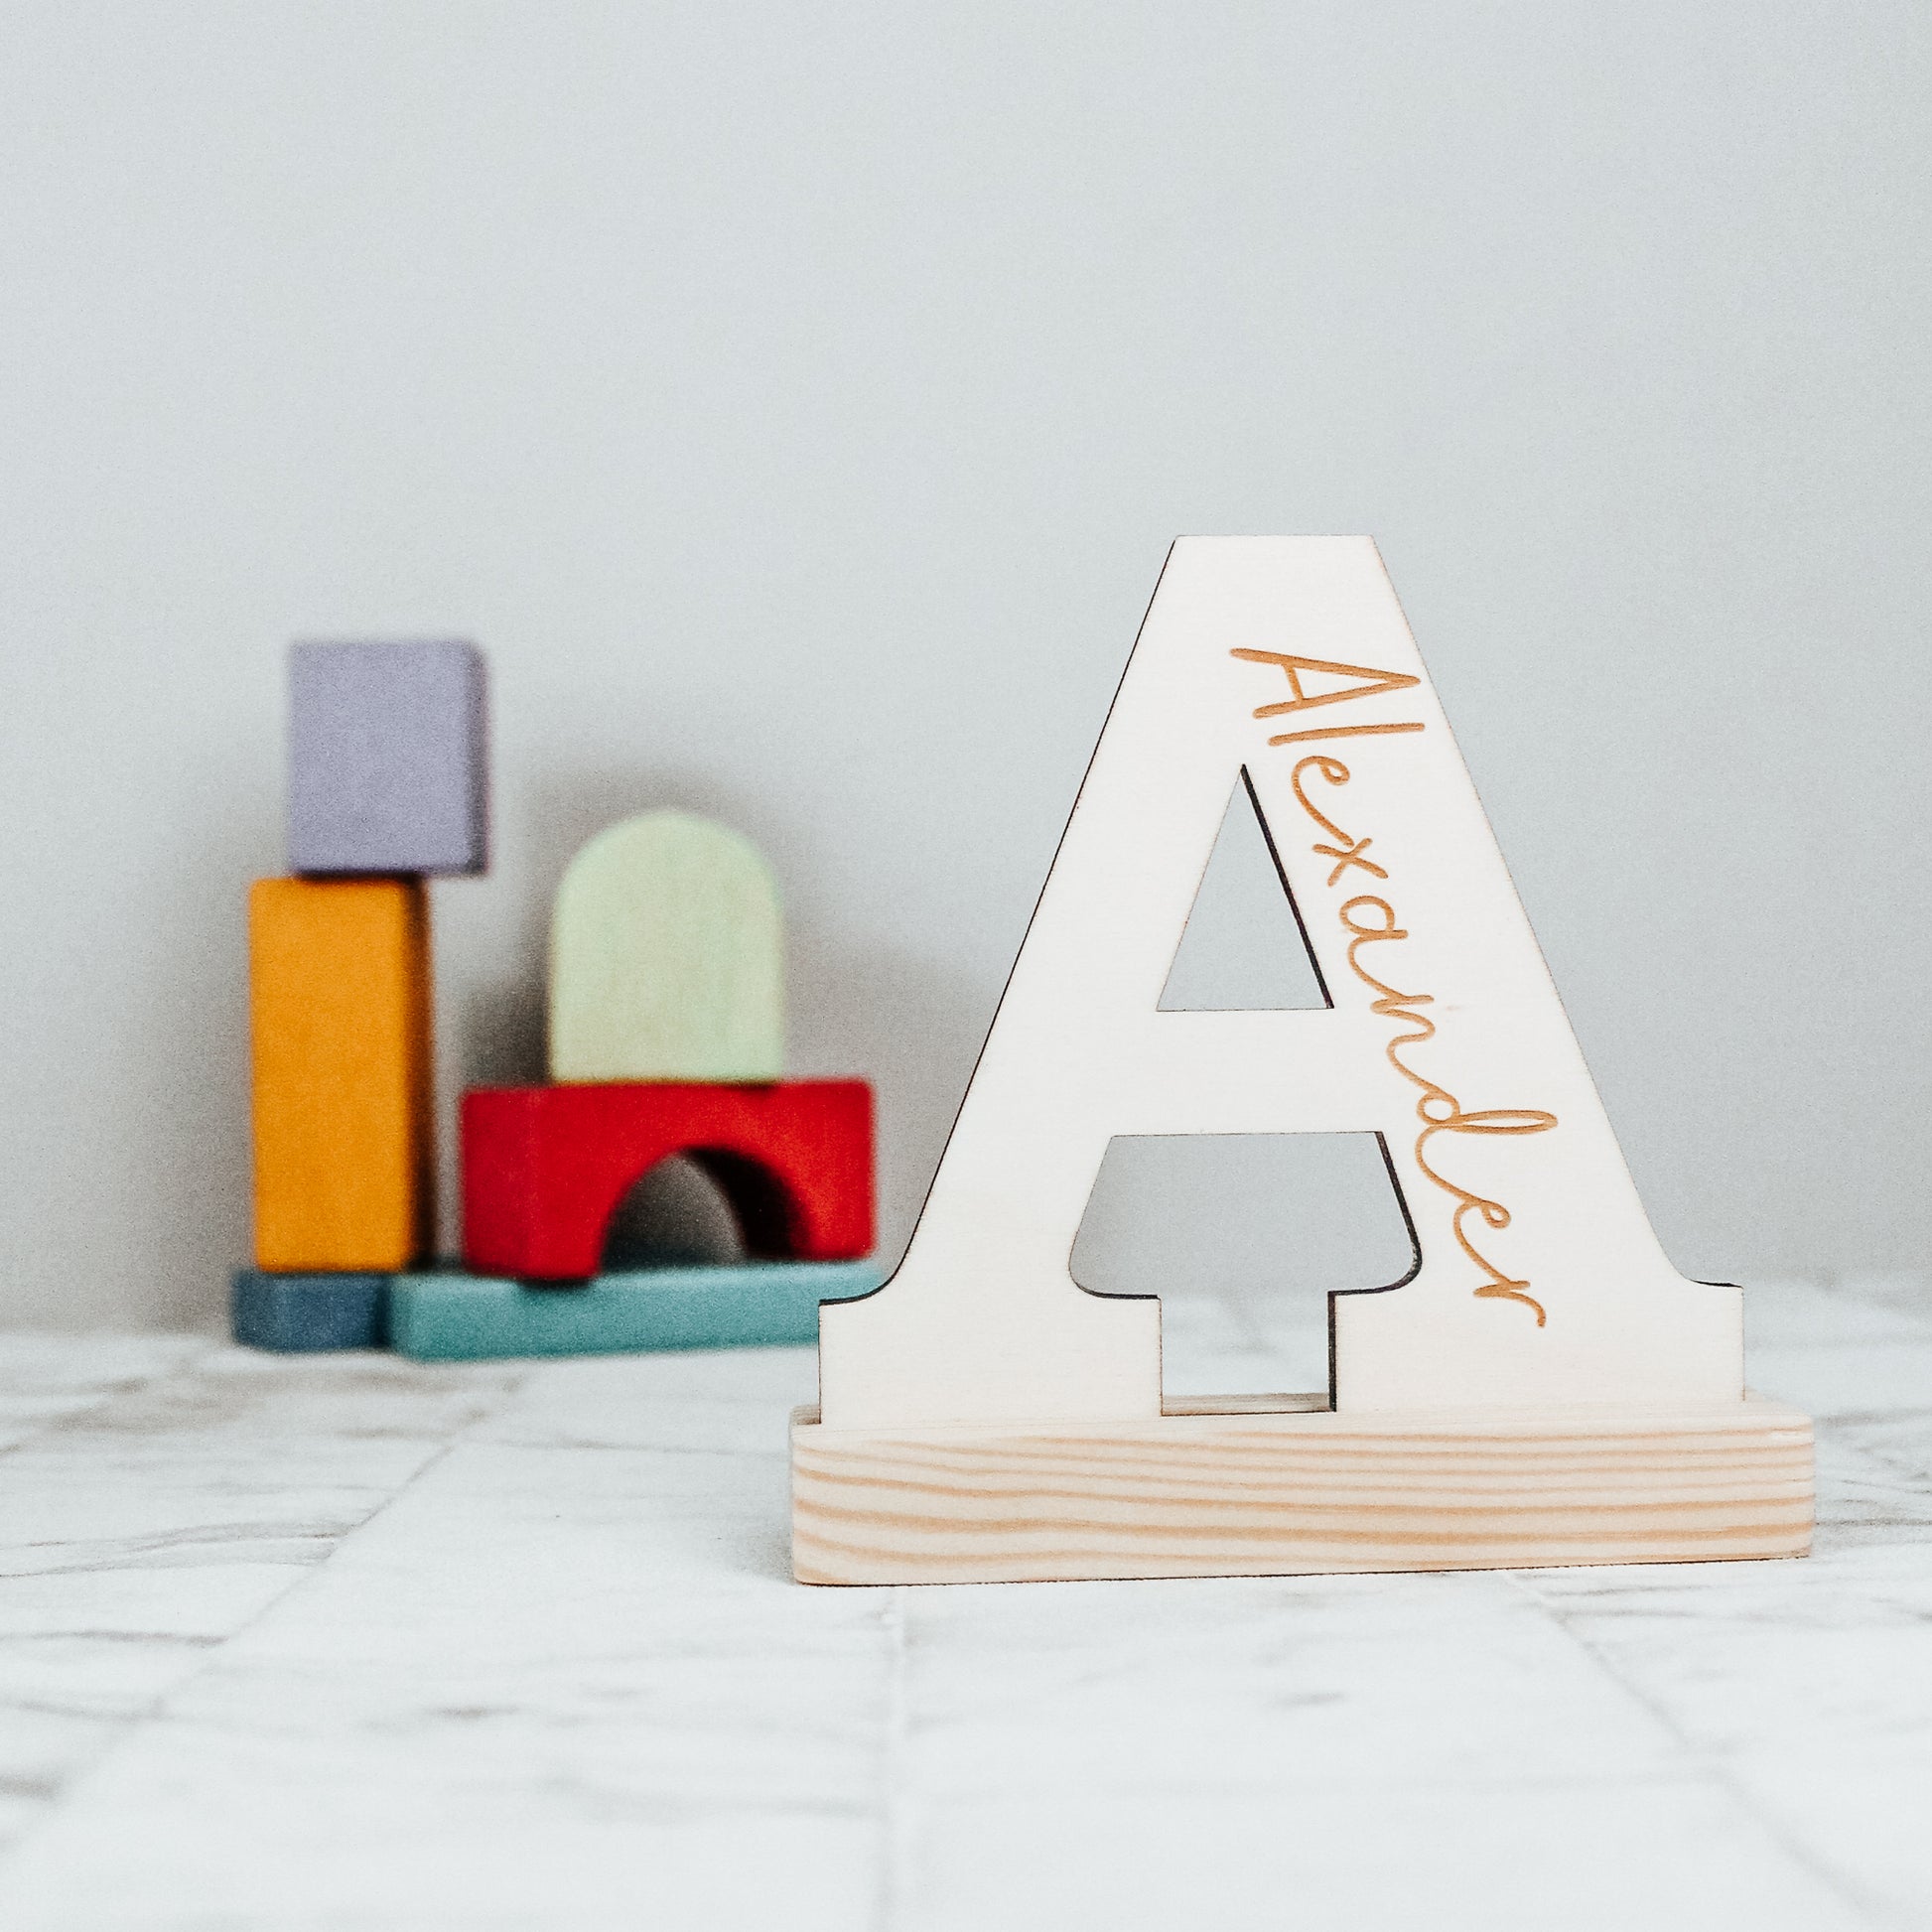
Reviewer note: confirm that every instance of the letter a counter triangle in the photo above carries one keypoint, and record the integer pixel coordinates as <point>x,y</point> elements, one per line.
<point>1541,1387</point>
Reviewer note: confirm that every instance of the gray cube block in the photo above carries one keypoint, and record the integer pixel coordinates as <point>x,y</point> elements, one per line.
<point>389,764</point>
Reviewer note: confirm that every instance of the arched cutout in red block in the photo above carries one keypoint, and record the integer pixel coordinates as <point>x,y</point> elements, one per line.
<point>674,1215</point>
<point>545,1168</point>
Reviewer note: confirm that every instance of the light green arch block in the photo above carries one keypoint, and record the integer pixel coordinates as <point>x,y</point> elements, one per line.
<point>668,956</point>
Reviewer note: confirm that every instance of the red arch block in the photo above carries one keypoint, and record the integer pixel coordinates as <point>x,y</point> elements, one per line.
<point>545,1168</point>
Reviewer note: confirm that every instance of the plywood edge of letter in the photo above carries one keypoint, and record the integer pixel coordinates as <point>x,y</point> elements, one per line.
<point>1275,1487</point>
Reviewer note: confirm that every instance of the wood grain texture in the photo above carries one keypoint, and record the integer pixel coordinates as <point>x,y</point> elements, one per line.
<point>667,957</point>
<point>340,1009</point>
<point>1275,1490</point>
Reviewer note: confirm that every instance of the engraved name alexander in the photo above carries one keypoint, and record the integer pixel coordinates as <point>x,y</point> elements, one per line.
<point>1370,919</point>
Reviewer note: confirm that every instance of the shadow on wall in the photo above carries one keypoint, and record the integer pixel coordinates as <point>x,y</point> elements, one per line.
<point>854,1008</point>
<point>911,1027</point>
<point>181,1144</point>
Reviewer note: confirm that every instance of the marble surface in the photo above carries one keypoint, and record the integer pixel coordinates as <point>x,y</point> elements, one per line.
<point>352,1642</point>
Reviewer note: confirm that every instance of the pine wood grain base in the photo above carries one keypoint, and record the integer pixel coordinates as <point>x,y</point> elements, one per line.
<point>1291,1490</point>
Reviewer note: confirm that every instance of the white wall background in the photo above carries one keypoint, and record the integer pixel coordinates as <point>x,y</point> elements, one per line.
<point>797,403</point>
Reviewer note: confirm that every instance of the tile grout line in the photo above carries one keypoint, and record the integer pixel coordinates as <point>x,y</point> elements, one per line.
<point>138,1722</point>
<point>1716,1765</point>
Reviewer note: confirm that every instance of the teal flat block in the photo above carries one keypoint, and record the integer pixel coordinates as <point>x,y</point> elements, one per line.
<point>454,1317</point>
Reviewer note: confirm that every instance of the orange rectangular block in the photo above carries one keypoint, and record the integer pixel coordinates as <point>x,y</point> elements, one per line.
<point>338,974</point>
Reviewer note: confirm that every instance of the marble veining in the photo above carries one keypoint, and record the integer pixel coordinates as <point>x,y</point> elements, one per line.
<point>350,1642</point>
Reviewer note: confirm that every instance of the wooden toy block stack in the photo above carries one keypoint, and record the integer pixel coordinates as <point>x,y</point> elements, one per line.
<point>666,1037</point>
<point>387,786</point>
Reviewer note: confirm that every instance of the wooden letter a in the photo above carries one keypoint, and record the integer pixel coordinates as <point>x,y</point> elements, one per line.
<point>955,1401</point>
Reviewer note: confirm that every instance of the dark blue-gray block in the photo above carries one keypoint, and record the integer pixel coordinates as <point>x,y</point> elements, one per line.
<point>455,1317</point>
<point>389,759</point>
<point>300,1315</point>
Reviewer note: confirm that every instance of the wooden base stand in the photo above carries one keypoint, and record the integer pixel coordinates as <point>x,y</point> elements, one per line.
<point>1279,1486</point>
